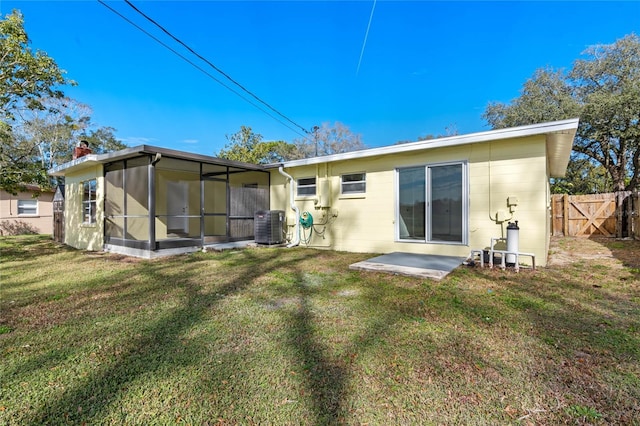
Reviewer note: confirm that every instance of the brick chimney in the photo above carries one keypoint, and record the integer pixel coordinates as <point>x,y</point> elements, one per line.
<point>81,150</point>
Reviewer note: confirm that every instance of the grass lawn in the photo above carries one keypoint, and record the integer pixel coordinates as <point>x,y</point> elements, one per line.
<point>291,336</point>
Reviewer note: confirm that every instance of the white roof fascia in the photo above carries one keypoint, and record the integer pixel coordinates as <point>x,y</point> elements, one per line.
<point>81,162</point>
<point>93,159</point>
<point>491,135</point>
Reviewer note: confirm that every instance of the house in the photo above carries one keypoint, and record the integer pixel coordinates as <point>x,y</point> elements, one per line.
<point>26,212</point>
<point>443,196</point>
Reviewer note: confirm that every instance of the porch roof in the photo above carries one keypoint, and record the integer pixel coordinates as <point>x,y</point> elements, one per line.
<point>93,159</point>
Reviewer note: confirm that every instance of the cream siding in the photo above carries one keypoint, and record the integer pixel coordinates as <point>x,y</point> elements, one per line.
<point>366,222</point>
<point>77,234</point>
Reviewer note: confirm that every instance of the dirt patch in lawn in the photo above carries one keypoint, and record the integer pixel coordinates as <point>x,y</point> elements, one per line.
<point>610,251</point>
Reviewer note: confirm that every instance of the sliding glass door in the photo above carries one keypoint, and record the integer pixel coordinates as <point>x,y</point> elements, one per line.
<point>432,203</point>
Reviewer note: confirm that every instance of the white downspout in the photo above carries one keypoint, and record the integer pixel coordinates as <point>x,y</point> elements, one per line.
<point>296,231</point>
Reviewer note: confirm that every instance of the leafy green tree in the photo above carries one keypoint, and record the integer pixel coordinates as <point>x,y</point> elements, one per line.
<point>327,139</point>
<point>103,140</point>
<point>604,91</point>
<point>248,147</point>
<point>39,126</point>
<point>582,177</point>
<point>26,78</point>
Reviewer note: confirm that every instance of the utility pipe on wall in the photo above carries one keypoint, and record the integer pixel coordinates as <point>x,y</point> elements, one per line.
<point>296,232</point>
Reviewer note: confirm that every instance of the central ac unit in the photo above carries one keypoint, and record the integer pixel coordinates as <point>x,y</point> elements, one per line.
<point>268,225</point>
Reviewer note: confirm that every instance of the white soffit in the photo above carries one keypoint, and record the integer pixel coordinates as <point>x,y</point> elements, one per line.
<point>559,145</point>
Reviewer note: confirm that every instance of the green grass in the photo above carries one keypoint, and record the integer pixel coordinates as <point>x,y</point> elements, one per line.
<point>292,336</point>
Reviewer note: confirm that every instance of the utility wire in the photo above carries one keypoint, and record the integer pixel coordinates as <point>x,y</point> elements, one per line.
<point>227,76</point>
<point>201,69</point>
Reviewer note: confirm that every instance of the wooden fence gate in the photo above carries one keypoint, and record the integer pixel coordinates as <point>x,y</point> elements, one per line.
<point>58,215</point>
<point>611,215</point>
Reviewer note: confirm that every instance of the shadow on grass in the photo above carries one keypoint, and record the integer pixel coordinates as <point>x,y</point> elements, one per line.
<point>25,247</point>
<point>627,251</point>
<point>158,346</point>
<point>587,320</point>
<point>325,379</point>
<point>326,373</point>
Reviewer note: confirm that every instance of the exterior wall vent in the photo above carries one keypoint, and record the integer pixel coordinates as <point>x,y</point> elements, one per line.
<point>268,226</point>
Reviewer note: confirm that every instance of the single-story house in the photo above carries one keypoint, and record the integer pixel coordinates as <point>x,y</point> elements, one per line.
<point>443,196</point>
<point>26,212</point>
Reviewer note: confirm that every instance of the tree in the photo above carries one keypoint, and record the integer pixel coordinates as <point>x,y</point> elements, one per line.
<point>39,126</point>
<point>248,147</point>
<point>604,91</point>
<point>103,140</point>
<point>450,130</point>
<point>582,177</point>
<point>327,140</point>
<point>26,78</point>
<point>54,129</point>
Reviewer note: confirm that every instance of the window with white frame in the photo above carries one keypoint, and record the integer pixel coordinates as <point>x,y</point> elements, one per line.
<point>89,201</point>
<point>432,203</point>
<point>28,207</point>
<point>353,183</point>
<point>306,187</point>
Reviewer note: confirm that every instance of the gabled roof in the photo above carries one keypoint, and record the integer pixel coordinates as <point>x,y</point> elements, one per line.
<point>560,135</point>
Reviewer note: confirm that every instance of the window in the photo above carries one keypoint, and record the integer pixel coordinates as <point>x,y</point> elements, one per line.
<point>306,187</point>
<point>354,183</point>
<point>28,207</point>
<point>89,201</point>
<point>432,203</point>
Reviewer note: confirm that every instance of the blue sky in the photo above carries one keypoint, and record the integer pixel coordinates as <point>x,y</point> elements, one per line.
<point>426,66</point>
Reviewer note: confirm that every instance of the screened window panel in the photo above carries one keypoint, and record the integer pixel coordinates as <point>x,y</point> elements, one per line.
<point>137,181</point>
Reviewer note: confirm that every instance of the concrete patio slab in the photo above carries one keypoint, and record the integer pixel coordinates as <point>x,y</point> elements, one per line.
<point>411,264</point>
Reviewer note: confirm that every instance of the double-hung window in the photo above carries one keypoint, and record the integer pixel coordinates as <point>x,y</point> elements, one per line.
<point>353,183</point>
<point>28,207</point>
<point>306,187</point>
<point>432,203</point>
<point>89,201</point>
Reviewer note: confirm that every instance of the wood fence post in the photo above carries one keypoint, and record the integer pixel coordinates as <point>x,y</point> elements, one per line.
<point>565,215</point>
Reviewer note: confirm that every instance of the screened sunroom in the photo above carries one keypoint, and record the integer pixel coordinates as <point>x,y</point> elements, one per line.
<point>158,199</point>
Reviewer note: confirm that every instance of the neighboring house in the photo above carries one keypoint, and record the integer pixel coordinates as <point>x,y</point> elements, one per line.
<point>443,196</point>
<point>25,214</point>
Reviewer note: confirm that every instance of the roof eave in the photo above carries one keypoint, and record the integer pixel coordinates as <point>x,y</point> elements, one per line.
<point>559,147</point>
<point>569,125</point>
<point>94,159</point>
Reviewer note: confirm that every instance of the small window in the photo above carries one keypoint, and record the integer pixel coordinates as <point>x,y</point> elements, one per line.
<point>354,183</point>
<point>28,207</point>
<point>306,187</point>
<point>89,201</point>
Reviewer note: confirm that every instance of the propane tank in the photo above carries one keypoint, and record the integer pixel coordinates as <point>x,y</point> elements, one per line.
<point>512,242</point>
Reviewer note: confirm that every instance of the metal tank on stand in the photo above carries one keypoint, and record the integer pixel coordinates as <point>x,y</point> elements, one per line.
<point>513,242</point>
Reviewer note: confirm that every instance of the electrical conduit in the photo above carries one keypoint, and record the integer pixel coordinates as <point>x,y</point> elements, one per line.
<point>296,232</point>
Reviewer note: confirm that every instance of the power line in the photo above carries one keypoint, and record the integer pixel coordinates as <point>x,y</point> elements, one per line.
<point>205,72</point>
<point>227,76</point>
